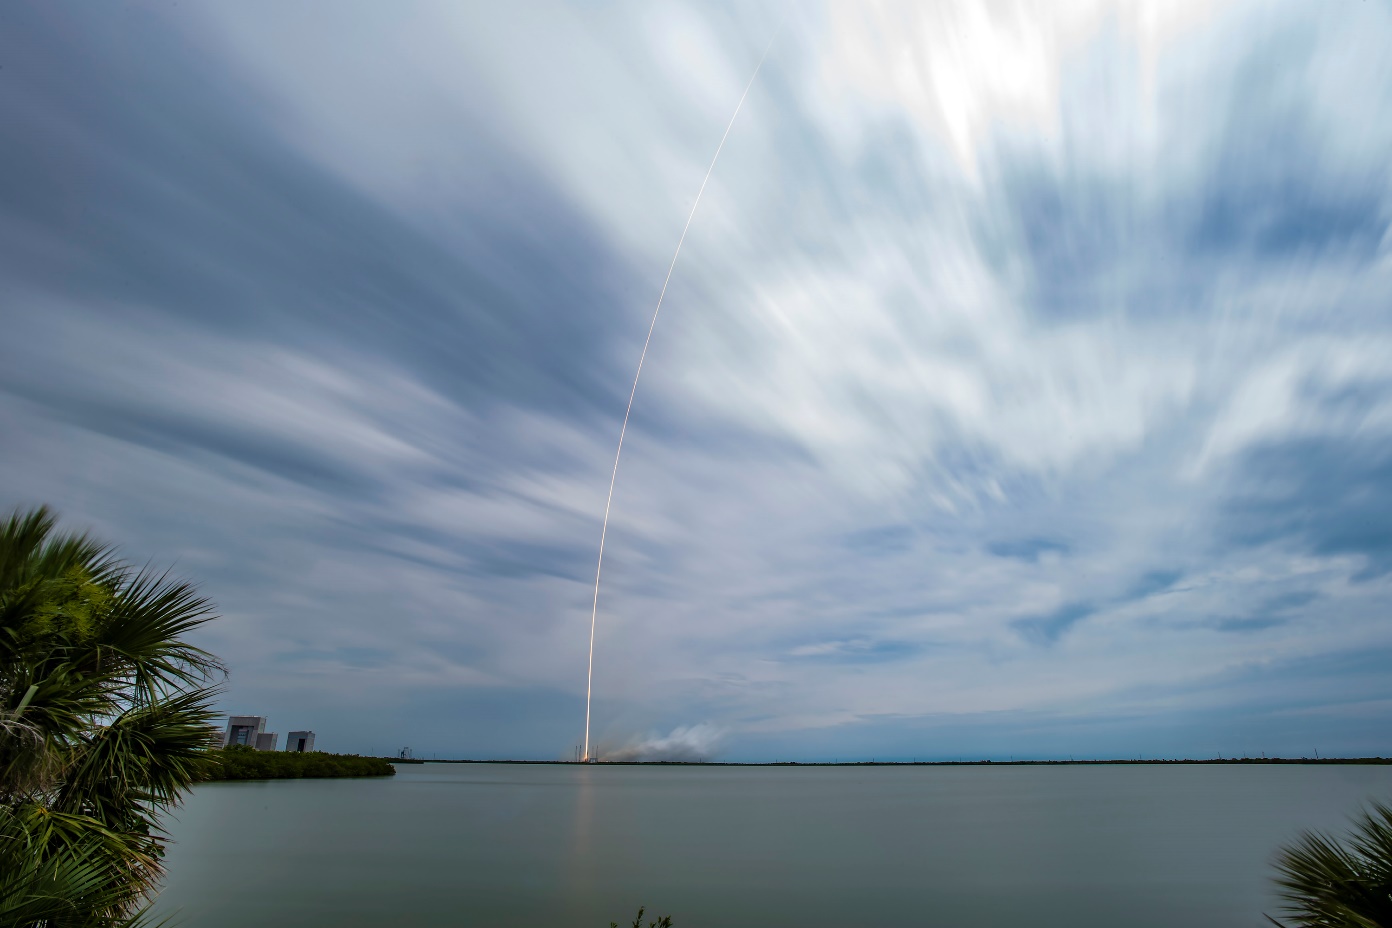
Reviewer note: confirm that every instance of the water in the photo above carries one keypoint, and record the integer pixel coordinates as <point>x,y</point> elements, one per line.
<point>503,845</point>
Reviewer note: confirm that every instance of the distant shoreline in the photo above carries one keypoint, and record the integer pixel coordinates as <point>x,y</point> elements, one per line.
<point>1312,761</point>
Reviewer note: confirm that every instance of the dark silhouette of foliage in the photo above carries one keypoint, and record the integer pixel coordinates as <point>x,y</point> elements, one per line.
<point>1326,883</point>
<point>663,922</point>
<point>104,724</point>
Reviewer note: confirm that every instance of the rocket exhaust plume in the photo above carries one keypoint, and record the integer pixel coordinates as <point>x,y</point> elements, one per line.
<point>686,744</point>
<point>623,430</point>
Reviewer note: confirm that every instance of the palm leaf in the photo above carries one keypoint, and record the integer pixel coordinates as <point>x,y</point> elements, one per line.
<point>1325,884</point>
<point>144,634</point>
<point>104,712</point>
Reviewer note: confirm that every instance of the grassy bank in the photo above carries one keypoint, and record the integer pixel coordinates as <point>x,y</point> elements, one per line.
<point>243,763</point>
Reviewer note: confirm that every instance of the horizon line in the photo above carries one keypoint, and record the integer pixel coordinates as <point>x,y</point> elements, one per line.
<point>907,763</point>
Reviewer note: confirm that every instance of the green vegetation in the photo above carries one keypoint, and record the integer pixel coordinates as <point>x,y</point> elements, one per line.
<point>239,762</point>
<point>104,724</point>
<point>664,922</point>
<point>1328,884</point>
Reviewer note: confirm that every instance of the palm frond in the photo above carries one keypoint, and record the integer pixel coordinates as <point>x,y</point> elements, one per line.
<point>1372,841</point>
<point>104,712</point>
<point>33,557</point>
<point>151,753</point>
<point>1325,884</point>
<point>65,883</point>
<point>144,634</point>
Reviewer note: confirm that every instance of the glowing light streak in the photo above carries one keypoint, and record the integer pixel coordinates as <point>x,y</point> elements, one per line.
<point>623,430</point>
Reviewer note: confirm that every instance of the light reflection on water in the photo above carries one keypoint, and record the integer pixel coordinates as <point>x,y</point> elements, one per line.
<point>444,844</point>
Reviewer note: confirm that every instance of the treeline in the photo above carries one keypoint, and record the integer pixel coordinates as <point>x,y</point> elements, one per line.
<point>239,762</point>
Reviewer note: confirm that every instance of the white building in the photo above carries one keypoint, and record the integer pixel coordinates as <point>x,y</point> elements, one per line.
<point>266,741</point>
<point>299,741</point>
<point>243,729</point>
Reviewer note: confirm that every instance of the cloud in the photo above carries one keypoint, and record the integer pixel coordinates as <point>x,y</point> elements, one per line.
<point>855,650</point>
<point>1027,549</point>
<point>1154,581</point>
<point>1046,629</point>
<point>1022,363</point>
<point>1329,497</point>
<point>1249,624</point>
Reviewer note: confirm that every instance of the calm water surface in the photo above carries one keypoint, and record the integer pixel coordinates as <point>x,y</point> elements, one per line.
<point>500,845</point>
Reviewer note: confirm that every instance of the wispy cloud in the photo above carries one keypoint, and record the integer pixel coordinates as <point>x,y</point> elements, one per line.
<point>1023,362</point>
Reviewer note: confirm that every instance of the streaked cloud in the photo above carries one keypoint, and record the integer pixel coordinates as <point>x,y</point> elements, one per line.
<point>1024,380</point>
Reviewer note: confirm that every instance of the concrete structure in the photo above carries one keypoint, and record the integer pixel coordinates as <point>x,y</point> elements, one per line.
<point>250,730</point>
<point>243,729</point>
<point>299,741</point>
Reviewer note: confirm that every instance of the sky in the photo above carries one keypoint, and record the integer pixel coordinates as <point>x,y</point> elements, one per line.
<point>1024,387</point>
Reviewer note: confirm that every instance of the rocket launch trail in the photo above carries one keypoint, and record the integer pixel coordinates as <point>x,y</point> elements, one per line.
<point>623,430</point>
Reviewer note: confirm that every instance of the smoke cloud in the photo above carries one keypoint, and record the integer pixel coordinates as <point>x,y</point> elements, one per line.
<point>684,743</point>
